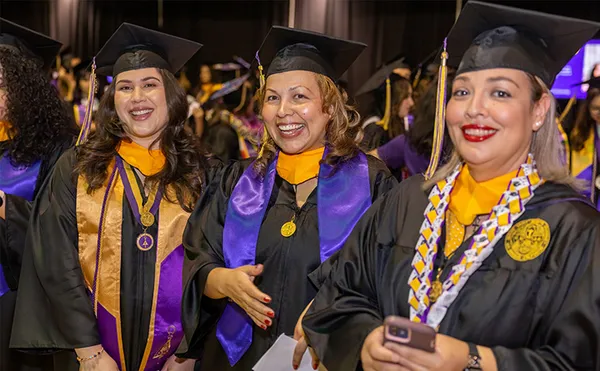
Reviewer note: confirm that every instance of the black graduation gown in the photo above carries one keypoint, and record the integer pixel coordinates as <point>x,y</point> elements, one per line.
<point>374,137</point>
<point>54,310</point>
<point>287,262</point>
<point>541,314</point>
<point>12,240</point>
<point>221,140</point>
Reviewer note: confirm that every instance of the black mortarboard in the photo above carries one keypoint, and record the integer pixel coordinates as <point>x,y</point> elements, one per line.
<point>80,68</point>
<point>594,83</point>
<point>493,36</point>
<point>287,49</point>
<point>378,79</point>
<point>29,42</point>
<point>133,47</point>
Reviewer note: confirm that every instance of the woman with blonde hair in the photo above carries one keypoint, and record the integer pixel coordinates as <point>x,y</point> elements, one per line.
<point>253,241</point>
<point>496,252</point>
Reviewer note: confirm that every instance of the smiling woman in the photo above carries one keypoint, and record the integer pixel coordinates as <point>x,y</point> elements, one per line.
<point>248,275</point>
<point>117,220</point>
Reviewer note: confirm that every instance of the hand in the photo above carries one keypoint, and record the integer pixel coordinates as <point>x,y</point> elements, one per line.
<point>238,285</point>
<point>101,363</point>
<point>179,364</point>
<point>450,354</point>
<point>375,357</point>
<point>302,345</point>
<point>2,205</point>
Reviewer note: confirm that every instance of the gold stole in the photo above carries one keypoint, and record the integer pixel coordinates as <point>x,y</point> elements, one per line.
<point>171,224</point>
<point>581,160</point>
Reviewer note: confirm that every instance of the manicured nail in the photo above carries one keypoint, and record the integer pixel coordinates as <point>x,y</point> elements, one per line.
<point>271,314</point>
<point>268,322</point>
<point>263,327</point>
<point>315,366</point>
<point>295,367</point>
<point>267,299</point>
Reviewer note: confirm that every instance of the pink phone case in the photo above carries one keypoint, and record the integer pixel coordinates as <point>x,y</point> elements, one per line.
<point>402,331</point>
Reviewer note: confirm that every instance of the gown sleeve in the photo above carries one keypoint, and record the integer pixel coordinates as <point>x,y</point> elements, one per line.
<point>54,310</point>
<point>345,310</point>
<point>203,242</point>
<point>382,181</point>
<point>569,336</point>
<point>392,153</point>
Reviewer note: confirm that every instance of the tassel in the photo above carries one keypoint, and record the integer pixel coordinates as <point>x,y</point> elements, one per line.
<point>86,126</point>
<point>440,116</point>
<point>385,121</point>
<point>563,133</point>
<point>260,71</point>
<point>417,77</point>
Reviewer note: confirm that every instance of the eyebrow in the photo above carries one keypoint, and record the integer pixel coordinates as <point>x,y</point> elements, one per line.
<point>299,86</point>
<point>144,80</point>
<point>503,78</point>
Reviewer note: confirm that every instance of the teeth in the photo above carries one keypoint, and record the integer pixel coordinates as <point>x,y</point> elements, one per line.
<point>479,132</point>
<point>142,112</point>
<point>290,127</point>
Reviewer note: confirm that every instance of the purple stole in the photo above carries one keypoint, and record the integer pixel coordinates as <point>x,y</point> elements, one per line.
<point>17,181</point>
<point>343,196</point>
<point>584,166</point>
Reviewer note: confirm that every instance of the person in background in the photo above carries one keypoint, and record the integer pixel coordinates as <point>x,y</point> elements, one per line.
<point>103,261</point>
<point>35,129</point>
<point>81,93</point>
<point>584,143</point>
<point>207,85</point>
<point>495,251</point>
<point>252,245</point>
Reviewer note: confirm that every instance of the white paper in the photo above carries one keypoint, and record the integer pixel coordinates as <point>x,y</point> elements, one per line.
<point>279,357</point>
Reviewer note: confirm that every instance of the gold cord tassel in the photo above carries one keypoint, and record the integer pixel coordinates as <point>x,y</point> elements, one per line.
<point>86,126</point>
<point>385,120</point>
<point>440,116</point>
<point>563,133</point>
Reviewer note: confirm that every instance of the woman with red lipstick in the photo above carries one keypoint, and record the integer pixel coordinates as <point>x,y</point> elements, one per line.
<point>103,264</point>
<point>253,245</point>
<point>495,250</point>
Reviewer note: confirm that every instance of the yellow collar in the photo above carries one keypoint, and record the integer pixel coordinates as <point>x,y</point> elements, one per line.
<point>4,129</point>
<point>296,169</point>
<point>149,162</point>
<point>470,198</point>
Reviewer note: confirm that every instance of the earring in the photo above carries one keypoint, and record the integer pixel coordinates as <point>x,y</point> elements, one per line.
<point>538,124</point>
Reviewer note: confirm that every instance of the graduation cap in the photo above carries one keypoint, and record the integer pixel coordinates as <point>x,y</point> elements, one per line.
<point>80,69</point>
<point>593,83</point>
<point>380,77</point>
<point>133,47</point>
<point>288,49</point>
<point>31,43</point>
<point>487,36</point>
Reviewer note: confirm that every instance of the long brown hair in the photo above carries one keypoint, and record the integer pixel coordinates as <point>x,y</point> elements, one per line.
<point>584,122</point>
<point>342,131</point>
<point>184,170</point>
<point>401,90</point>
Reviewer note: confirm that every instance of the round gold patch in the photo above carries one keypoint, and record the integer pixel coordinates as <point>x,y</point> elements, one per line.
<point>527,240</point>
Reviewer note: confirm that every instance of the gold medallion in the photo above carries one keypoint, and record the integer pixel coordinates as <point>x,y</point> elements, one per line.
<point>527,240</point>
<point>436,291</point>
<point>288,229</point>
<point>147,219</point>
<point>145,242</point>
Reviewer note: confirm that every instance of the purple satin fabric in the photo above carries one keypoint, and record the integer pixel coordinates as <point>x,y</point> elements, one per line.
<point>342,197</point>
<point>107,327</point>
<point>397,153</point>
<point>17,181</point>
<point>129,192</point>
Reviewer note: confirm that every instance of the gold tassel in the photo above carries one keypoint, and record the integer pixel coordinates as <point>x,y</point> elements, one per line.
<point>561,129</point>
<point>440,117</point>
<point>385,120</point>
<point>86,126</point>
<point>567,109</point>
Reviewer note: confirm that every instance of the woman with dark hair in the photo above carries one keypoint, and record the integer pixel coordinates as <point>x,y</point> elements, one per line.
<point>408,154</point>
<point>584,142</point>
<point>494,257</point>
<point>252,246</point>
<point>104,254</point>
<point>393,103</point>
<point>35,130</point>
<point>82,92</point>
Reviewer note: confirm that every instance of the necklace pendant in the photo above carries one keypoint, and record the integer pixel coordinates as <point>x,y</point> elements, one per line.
<point>147,219</point>
<point>288,229</point>
<point>145,242</point>
<point>436,291</point>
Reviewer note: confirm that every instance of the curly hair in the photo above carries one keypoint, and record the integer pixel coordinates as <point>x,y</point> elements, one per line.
<point>40,123</point>
<point>342,132</point>
<point>584,122</point>
<point>184,170</point>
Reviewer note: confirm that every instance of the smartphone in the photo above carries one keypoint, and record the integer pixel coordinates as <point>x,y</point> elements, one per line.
<point>402,331</point>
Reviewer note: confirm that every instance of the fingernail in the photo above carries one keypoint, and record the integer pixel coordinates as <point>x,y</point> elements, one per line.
<point>267,299</point>
<point>315,366</point>
<point>295,367</point>
<point>263,327</point>
<point>268,322</point>
<point>271,314</point>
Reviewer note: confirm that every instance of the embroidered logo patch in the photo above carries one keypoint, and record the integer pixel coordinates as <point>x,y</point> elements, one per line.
<point>527,239</point>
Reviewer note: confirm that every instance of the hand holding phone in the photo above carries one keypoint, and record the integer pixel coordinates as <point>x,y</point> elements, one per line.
<point>402,331</point>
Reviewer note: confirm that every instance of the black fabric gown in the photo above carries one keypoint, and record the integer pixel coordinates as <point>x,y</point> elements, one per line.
<point>54,310</point>
<point>287,262</point>
<point>374,137</point>
<point>12,241</point>
<point>541,314</point>
<point>221,140</point>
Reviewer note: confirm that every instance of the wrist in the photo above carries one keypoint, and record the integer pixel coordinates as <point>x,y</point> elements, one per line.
<point>89,353</point>
<point>216,287</point>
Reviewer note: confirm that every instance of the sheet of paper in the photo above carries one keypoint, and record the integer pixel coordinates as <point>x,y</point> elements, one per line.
<point>279,357</point>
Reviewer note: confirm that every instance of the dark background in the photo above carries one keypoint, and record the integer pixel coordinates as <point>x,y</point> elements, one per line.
<point>228,27</point>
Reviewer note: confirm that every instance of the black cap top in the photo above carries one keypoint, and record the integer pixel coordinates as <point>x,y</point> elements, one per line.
<point>132,47</point>
<point>29,42</point>
<point>489,36</point>
<point>380,76</point>
<point>594,83</point>
<point>288,49</point>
